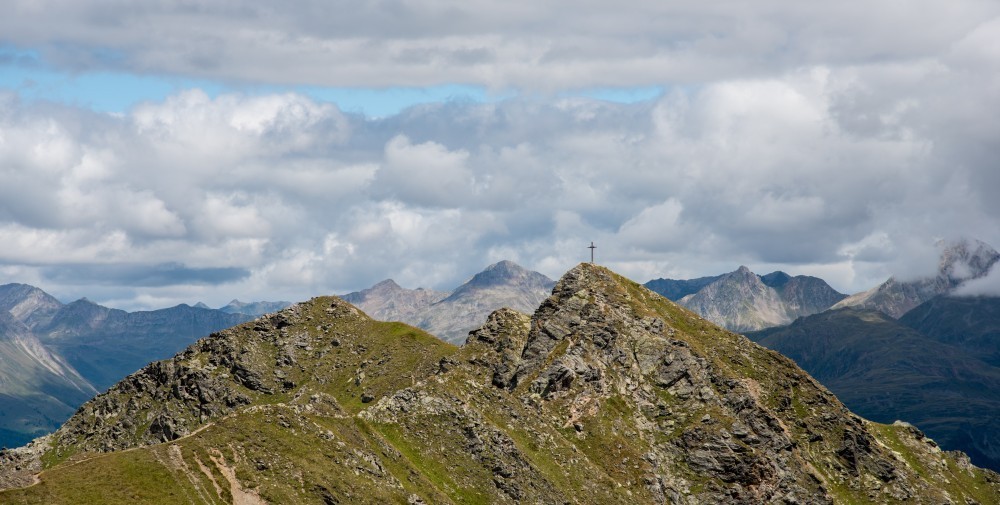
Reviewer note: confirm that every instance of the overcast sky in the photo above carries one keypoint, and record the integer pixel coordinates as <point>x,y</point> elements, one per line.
<point>159,152</point>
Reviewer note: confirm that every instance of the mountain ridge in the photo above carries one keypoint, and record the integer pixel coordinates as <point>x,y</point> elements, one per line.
<point>616,395</point>
<point>744,301</point>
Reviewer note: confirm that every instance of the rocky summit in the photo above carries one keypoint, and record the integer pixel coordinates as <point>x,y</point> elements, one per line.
<point>609,393</point>
<point>744,301</point>
<point>960,260</point>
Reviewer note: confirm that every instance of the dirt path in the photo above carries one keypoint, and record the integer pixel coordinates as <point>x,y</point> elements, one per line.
<point>37,477</point>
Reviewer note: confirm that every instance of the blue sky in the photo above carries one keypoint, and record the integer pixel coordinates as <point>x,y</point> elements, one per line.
<point>163,152</point>
<point>26,72</point>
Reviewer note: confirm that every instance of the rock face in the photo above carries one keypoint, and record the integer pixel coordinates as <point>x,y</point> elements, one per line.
<point>608,394</point>
<point>744,301</point>
<point>885,371</point>
<point>960,261</point>
<point>452,315</point>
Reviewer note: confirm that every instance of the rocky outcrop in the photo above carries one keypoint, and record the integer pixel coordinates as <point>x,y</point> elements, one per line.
<point>665,403</point>
<point>505,333</point>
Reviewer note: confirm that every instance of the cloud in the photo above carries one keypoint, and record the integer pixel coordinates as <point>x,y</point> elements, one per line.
<point>425,174</point>
<point>988,285</point>
<point>800,138</point>
<point>539,46</point>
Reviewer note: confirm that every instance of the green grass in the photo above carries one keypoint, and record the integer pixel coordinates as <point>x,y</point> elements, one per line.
<point>124,478</point>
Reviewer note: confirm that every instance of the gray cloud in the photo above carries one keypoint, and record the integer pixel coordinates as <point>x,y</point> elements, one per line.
<point>530,46</point>
<point>799,138</point>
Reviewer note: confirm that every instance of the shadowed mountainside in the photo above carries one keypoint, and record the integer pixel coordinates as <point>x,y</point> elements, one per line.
<point>886,371</point>
<point>970,323</point>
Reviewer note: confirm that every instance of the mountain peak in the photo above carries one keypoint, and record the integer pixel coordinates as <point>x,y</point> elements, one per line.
<point>505,273</point>
<point>744,301</point>
<point>961,260</point>
<point>966,258</point>
<point>501,270</point>
<point>27,303</point>
<point>387,284</point>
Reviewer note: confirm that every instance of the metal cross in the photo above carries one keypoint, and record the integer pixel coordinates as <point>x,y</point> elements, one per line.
<point>592,247</point>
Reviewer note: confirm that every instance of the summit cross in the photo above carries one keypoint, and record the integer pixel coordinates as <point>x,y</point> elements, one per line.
<point>592,247</point>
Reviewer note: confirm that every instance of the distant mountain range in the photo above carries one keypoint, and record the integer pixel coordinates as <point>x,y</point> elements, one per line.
<point>250,309</point>
<point>452,315</point>
<point>744,301</point>
<point>38,389</point>
<point>55,356</point>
